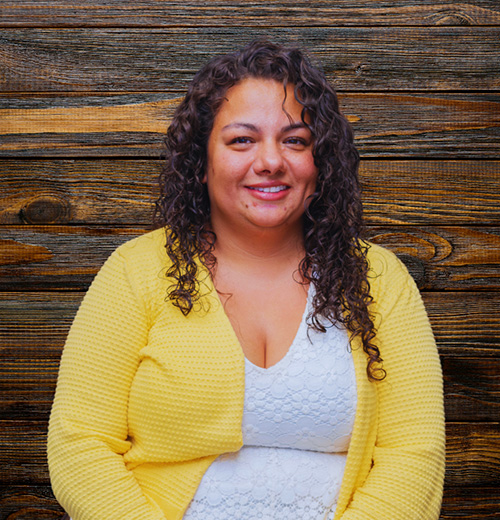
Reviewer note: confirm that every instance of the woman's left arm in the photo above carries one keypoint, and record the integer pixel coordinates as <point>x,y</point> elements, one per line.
<point>406,478</point>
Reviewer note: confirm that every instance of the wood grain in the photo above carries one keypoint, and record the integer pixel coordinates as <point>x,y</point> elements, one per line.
<point>34,325</point>
<point>439,258</point>
<point>470,503</point>
<point>431,192</point>
<point>24,502</point>
<point>473,454</point>
<point>97,83</point>
<point>121,192</point>
<point>146,13</point>
<point>361,59</point>
<point>466,325</point>
<point>454,126</point>
<point>445,258</point>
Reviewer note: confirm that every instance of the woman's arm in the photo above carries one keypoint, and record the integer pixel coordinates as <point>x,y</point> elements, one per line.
<point>406,479</point>
<point>88,425</point>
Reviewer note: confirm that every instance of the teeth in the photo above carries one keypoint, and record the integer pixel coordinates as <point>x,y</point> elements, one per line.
<point>271,189</point>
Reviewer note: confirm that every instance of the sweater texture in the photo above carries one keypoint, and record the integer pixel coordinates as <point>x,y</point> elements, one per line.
<point>148,398</point>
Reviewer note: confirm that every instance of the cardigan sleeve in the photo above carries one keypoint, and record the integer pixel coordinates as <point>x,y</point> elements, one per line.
<point>406,478</point>
<point>88,425</point>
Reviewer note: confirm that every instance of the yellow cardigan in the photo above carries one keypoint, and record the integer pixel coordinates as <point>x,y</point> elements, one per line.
<point>147,398</point>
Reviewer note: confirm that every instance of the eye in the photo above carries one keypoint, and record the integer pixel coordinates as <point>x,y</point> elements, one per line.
<point>240,140</point>
<point>296,142</point>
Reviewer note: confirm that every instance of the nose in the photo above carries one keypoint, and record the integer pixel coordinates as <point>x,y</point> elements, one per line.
<point>269,159</point>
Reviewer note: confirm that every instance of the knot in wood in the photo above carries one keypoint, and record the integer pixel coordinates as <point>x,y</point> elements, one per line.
<point>451,17</point>
<point>45,209</point>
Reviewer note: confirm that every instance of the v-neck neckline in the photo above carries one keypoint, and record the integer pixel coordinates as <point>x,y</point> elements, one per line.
<point>237,341</point>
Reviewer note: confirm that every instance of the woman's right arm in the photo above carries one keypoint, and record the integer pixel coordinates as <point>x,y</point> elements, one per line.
<point>88,425</point>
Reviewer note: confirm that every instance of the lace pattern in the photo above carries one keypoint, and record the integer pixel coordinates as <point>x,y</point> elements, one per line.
<point>297,422</point>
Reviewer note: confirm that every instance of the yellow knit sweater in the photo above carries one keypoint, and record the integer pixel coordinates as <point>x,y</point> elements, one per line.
<point>147,398</point>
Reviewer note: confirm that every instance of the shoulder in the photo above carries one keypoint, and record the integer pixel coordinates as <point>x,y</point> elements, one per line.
<point>390,282</point>
<point>142,255</point>
<point>141,263</point>
<point>147,247</point>
<point>384,267</point>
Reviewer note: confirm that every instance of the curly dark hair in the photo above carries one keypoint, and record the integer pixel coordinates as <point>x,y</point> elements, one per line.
<point>335,256</point>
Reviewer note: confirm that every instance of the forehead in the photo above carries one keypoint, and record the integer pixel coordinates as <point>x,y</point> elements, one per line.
<point>257,97</point>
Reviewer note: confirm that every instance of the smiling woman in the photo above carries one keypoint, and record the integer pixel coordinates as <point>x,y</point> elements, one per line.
<point>252,357</point>
<point>260,168</point>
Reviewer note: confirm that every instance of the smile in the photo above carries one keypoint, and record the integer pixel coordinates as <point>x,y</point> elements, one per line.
<point>270,189</point>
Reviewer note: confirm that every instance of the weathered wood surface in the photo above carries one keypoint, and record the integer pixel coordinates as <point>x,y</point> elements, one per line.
<point>470,503</point>
<point>28,502</point>
<point>432,125</point>
<point>102,79</point>
<point>293,13</point>
<point>22,502</point>
<point>473,453</point>
<point>374,58</point>
<point>33,329</point>
<point>67,257</point>
<point>122,192</point>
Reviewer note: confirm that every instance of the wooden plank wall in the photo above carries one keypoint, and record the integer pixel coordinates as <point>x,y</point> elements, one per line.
<point>86,92</point>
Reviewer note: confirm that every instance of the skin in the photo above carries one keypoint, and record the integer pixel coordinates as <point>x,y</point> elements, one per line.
<point>260,173</point>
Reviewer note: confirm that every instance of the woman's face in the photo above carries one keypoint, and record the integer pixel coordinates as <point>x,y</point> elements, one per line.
<point>260,165</point>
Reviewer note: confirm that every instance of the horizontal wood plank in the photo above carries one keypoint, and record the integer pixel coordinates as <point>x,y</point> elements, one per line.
<point>148,13</point>
<point>473,453</point>
<point>67,257</point>
<point>470,503</point>
<point>432,125</point>
<point>362,59</point>
<point>27,502</point>
<point>431,192</point>
<point>122,192</point>
<point>445,258</point>
<point>33,329</point>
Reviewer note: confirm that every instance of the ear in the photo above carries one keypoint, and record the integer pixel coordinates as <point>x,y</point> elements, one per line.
<point>204,178</point>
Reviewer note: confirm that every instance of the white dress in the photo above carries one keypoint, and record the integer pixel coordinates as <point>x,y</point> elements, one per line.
<point>297,423</point>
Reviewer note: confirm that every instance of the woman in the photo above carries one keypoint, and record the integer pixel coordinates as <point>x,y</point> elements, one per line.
<point>269,364</point>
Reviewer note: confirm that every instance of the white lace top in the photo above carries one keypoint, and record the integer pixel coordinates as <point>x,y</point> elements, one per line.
<point>297,423</point>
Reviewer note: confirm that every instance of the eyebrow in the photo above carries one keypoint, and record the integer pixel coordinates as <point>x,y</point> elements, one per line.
<point>254,128</point>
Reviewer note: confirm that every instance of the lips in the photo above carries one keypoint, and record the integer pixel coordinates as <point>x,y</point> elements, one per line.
<point>269,189</point>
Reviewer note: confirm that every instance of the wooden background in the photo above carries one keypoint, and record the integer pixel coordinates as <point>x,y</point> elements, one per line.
<point>86,92</point>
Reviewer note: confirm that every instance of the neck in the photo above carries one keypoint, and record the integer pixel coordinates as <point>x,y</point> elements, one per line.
<point>262,249</point>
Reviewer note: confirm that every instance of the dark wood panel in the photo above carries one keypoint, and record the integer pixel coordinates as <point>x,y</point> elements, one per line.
<point>439,258</point>
<point>39,256</point>
<point>121,192</point>
<point>25,502</point>
<point>472,388</point>
<point>445,258</point>
<point>470,503</point>
<point>37,502</point>
<point>431,192</point>
<point>146,13</point>
<point>473,453</point>
<point>105,192</point>
<point>375,58</point>
<point>33,328</point>
<point>454,126</point>
<point>465,324</point>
